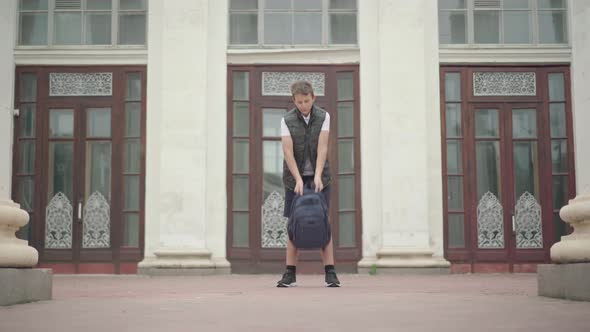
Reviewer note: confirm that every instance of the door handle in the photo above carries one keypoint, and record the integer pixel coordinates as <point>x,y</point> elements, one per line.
<point>513,225</point>
<point>80,210</point>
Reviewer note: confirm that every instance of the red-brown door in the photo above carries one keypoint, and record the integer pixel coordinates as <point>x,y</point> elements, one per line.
<point>509,183</point>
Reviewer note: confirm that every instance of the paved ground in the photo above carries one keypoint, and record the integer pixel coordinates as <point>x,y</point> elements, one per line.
<point>252,303</point>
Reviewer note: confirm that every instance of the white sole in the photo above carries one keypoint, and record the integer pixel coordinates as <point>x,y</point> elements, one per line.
<point>332,285</point>
<point>287,286</point>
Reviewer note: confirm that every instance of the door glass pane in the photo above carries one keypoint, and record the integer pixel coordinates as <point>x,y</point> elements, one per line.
<point>132,156</point>
<point>99,122</point>
<point>552,27</point>
<point>132,119</point>
<point>132,29</point>
<point>277,4</point>
<point>241,119</point>
<point>272,167</point>
<point>453,120</point>
<point>241,156</point>
<point>551,4</point>
<point>33,29</point>
<point>559,156</point>
<point>524,123</point>
<point>271,121</point>
<point>68,28</point>
<point>345,156</point>
<point>557,119</point>
<point>243,4</point>
<point>488,168</point>
<point>346,230</point>
<point>27,121</point>
<point>345,120</point>
<point>131,236</point>
<point>132,4</point>
<point>96,221</point>
<point>456,232</point>
<point>455,192</point>
<point>131,187</point>
<point>27,157</point>
<point>516,4</point>
<point>486,123</point>
<point>241,230</point>
<point>346,192</point>
<point>307,4</point>
<point>133,87</point>
<point>560,191</point>
<point>452,87</point>
<point>26,190</point>
<point>517,27</point>
<point>343,4</point>
<point>309,28</point>
<point>98,29</point>
<point>98,4</point>
<point>28,87</point>
<point>345,86</point>
<point>98,168</point>
<point>241,193</point>
<point>277,29</point>
<point>526,168</point>
<point>33,4</point>
<point>342,28</point>
<point>454,157</point>
<point>241,85</point>
<point>451,4</point>
<point>487,27</point>
<point>452,27</point>
<point>556,87</point>
<point>243,29</point>
<point>61,123</point>
<point>61,169</point>
<point>560,227</point>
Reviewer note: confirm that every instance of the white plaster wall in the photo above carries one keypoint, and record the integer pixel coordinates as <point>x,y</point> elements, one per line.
<point>7,26</point>
<point>370,101</point>
<point>580,70</point>
<point>177,127</point>
<point>216,113</point>
<point>408,64</point>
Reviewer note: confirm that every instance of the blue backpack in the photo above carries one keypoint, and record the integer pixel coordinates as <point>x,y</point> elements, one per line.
<point>309,220</point>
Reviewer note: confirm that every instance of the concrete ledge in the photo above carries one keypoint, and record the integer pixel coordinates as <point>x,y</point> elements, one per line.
<point>564,281</point>
<point>159,271</point>
<point>405,270</point>
<point>25,285</point>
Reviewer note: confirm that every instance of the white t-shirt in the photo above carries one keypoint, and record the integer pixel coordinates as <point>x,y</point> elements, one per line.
<point>308,168</point>
<point>325,126</point>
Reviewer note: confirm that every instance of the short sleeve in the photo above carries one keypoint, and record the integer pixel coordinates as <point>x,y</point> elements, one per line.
<point>284,129</point>
<point>326,124</point>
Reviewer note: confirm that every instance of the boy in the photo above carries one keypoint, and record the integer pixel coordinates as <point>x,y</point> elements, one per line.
<point>304,135</point>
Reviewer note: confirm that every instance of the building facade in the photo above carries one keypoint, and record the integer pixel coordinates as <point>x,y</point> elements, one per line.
<point>143,136</point>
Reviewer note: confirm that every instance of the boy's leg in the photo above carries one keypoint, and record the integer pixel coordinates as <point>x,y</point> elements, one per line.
<point>292,253</point>
<point>328,254</point>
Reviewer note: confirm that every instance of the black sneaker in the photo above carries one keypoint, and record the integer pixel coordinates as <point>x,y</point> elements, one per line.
<point>332,279</point>
<point>288,280</point>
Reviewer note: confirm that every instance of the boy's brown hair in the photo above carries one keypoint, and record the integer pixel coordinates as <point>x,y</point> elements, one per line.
<point>301,88</point>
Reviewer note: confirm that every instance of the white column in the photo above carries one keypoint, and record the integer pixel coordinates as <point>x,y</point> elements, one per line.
<point>580,72</point>
<point>13,252</point>
<point>406,122</point>
<point>185,173</point>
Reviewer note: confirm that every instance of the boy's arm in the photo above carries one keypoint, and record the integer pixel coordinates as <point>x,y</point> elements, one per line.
<point>321,161</point>
<point>287,142</point>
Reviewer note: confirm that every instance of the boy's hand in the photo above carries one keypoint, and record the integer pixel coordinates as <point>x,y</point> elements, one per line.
<point>319,185</point>
<point>299,187</point>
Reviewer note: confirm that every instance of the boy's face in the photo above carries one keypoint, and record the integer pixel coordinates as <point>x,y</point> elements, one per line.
<point>304,102</point>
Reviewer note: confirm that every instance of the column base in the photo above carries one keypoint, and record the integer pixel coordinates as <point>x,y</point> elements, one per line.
<point>404,260</point>
<point>182,262</point>
<point>564,281</point>
<point>14,252</point>
<point>25,285</point>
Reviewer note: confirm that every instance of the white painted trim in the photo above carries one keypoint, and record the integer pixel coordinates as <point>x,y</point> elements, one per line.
<point>505,55</point>
<point>293,56</point>
<point>80,57</point>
